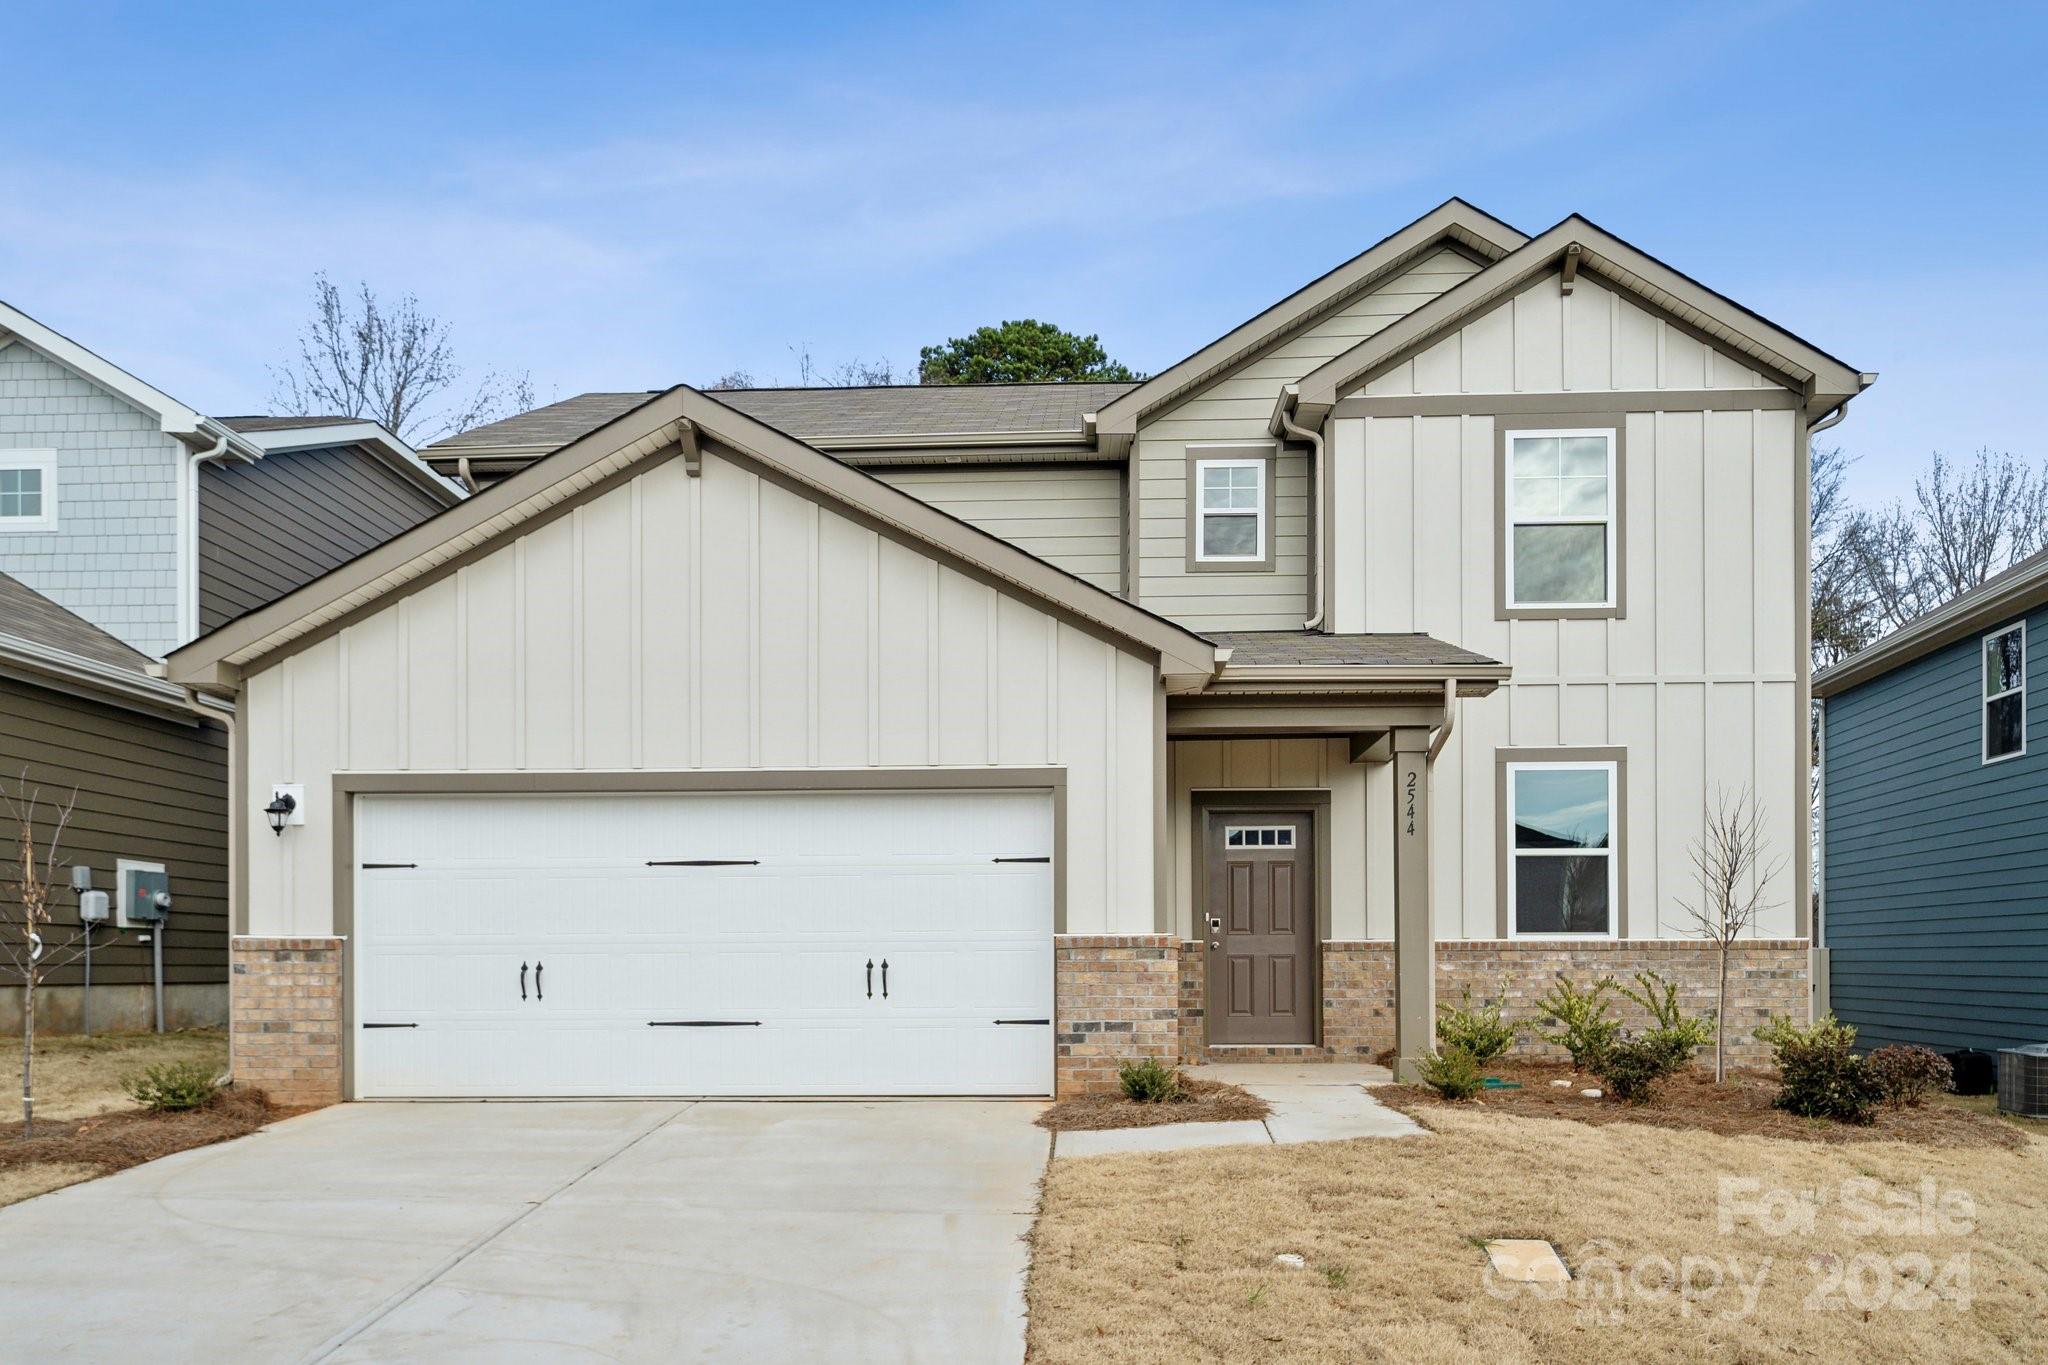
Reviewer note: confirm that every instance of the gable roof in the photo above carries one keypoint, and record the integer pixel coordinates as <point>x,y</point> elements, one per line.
<point>50,645</point>
<point>837,419</point>
<point>281,435</point>
<point>1454,220</point>
<point>1825,381</point>
<point>173,418</point>
<point>680,417</point>
<point>1992,603</point>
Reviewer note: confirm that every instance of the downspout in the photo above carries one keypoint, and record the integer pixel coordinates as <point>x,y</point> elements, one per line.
<point>468,479</point>
<point>1443,734</point>
<point>188,540</point>
<point>217,711</point>
<point>1285,412</point>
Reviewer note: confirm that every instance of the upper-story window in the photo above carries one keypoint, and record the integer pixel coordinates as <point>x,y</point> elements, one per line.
<point>2005,693</point>
<point>1232,507</point>
<point>28,490</point>
<point>1561,522</point>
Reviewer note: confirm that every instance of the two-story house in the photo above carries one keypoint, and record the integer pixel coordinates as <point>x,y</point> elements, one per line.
<point>1934,783</point>
<point>969,740</point>
<point>129,523</point>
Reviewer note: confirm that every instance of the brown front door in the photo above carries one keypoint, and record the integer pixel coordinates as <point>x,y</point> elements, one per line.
<point>1261,927</point>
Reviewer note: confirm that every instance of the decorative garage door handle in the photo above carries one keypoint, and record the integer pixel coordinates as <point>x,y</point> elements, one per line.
<point>885,978</point>
<point>871,978</point>
<point>536,982</point>
<point>522,981</point>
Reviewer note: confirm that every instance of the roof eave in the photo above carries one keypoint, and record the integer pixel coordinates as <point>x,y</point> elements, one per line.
<point>39,664</point>
<point>1974,613</point>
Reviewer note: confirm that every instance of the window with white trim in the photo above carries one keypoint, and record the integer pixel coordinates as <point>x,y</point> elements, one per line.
<point>1560,509</point>
<point>2005,693</point>
<point>28,490</point>
<point>1562,867</point>
<point>1230,511</point>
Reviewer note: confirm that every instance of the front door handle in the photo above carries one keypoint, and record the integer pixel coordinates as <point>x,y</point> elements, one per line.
<point>871,978</point>
<point>885,978</point>
<point>1213,944</point>
<point>522,981</point>
<point>536,982</point>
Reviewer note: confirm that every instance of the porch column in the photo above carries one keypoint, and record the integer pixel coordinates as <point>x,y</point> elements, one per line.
<point>1414,930</point>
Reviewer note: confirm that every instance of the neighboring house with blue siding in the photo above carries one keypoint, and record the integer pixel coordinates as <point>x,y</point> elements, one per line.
<point>1934,810</point>
<point>129,523</point>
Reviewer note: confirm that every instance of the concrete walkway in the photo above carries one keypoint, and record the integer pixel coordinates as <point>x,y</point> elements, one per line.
<point>1312,1102</point>
<point>515,1232</point>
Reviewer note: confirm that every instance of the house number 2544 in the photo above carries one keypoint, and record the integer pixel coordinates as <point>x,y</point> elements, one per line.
<point>1408,802</point>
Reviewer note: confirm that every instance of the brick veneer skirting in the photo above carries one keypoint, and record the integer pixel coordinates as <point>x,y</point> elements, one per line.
<point>1766,977</point>
<point>1118,1000</point>
<point>284,1018</point>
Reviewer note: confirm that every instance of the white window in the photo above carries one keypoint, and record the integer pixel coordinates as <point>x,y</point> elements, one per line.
<point>1562,868</point>
<point>1230,511</point>
<point>28,490</point>
<point>2005,693</point>
<point>1560,508</point>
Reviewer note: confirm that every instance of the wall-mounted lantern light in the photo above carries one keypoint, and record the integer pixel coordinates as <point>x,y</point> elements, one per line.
<point>280,811</point>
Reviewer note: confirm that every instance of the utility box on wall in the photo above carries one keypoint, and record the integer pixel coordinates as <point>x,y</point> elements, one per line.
<point>143,895</point>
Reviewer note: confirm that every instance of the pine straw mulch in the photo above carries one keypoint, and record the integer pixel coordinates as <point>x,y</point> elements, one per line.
<point>112,1142</point>
<point>1199,1101</point>
<point>1740,1107</point>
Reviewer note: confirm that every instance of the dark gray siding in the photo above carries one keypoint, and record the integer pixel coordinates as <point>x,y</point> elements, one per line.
<point>149,789</point>
<point>1936,863</point>
<point>268,527</point>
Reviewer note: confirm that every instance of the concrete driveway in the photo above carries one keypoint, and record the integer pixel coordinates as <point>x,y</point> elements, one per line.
<point>601,1231</point>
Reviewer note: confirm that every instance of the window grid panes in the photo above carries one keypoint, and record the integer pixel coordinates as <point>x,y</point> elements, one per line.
<point>2005,693</point>
<point>1231,509</point>
<point>21,493</point>
<point>1562,855</point>
<point>1261,836</point>
<point>1560,511</point>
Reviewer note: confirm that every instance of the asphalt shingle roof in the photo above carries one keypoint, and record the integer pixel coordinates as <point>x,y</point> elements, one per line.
<point>283,423</point>
<point>28,615</point>
<point>1257,648</point>
<point>820,414</point>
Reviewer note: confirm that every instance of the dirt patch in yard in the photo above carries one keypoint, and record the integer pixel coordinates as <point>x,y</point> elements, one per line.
<point>1170,1256</point>
<point>1200,1102</point>
<point>106,1143</point>
<point>1741,1106</point>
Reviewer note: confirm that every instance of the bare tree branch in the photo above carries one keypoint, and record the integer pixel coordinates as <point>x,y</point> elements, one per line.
<point>1728,864</point>
<point>364,357</point>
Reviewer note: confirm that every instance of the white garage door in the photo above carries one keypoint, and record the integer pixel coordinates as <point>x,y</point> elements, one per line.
<point>763,944</point>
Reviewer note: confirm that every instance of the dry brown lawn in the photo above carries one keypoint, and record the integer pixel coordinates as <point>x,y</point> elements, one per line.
<point>1169,1257</point>
<point>1200,1101</point>
<point>86,1126</point>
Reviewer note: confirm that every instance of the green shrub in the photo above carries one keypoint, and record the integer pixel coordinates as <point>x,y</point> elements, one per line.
<point>1672,1034</point>
<point>1819,1074</point>
<point>1586,1027</point>
<point>1905,1073</point>
<point>1632,1068</point>
<point>171,1086</point>
<point>1149,1082</point>
<point>1480,1033</point>
<point>1453,1072</point>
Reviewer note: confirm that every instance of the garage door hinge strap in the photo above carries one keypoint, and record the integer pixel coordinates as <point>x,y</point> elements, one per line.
<point>703,862</point>
<point>1040,859</point>
<point>703,1023</point>
<point>373,866</point>
<point>1023,1021</point>
<point>390,1025</point>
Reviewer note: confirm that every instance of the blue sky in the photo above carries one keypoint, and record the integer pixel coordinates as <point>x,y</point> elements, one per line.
<point>621,196</point>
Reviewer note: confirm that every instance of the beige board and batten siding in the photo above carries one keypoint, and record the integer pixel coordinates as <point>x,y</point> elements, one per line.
<point>266,528</point>
<point>1236,408</point>
<point>1071,516</point>
<point>1699,680</point>
<point>717,622</point>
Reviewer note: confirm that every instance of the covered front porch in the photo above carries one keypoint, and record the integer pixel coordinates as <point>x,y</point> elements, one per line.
<point>1296,860</point>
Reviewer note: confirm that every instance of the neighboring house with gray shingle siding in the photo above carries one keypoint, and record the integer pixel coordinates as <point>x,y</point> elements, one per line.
<point>1934,819</point>
<point>129,522</point>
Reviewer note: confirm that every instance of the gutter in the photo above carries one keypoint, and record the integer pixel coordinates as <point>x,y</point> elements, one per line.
<point>1283,416</point>
<point>47,666</point>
